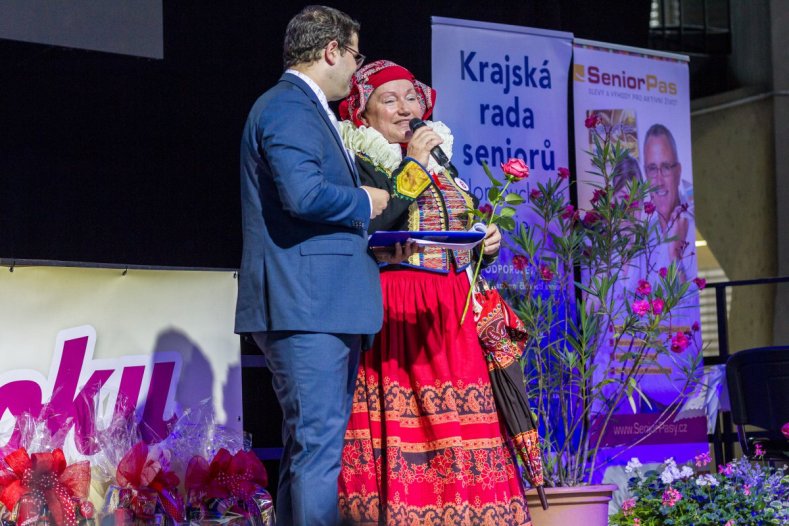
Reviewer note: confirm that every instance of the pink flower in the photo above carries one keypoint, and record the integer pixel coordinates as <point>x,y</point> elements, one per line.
<point>759,450</point>
<point>746,489</point>
<point>695,327</point>
<point>729,523</point>
<point>535,194</point>
<point>662,272</point>
<point>569,212</point>
<point>657,306</point>
<point>486,209</point>
<point>785,430</point>
<point>564,173</point>
<point>679,342</point>
<point>641,307</point>
<point>546,273</point>
<point>702,459</point>
<point>671,496</point>
<point>591,218</point>
<point>520,262</point>
<point>597,195</point>
<point>726,470</point>
<point>515,169</point>
<point>628,505</point>
<point>700,282</point>
<point>591,121</point>
<point>644,288</point>
<point>636,521</point>
<point>649,207</point>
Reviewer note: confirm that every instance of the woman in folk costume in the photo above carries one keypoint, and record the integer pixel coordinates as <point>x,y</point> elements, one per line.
<point>424,444</point>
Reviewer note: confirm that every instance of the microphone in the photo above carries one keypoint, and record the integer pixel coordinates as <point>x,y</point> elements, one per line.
<point>437,153</point>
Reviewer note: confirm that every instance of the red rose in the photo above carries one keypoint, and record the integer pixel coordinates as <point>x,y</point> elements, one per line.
<point>785,430</point>
<point>515,169</point>
<point>486,209</point>
<point>564,173</point>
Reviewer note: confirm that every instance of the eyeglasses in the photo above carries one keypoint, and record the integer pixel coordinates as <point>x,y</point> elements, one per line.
<point>665,169</point>
<point>358,57</point>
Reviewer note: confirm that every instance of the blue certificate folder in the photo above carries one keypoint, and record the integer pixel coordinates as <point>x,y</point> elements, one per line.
<point>465,239</point>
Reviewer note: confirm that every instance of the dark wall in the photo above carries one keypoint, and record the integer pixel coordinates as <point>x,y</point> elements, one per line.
<point>116,159</point>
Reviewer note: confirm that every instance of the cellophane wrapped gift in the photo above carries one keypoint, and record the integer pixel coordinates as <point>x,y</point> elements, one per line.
<point>228,490</point>
<point>42,489</point>
<point>145,490</point>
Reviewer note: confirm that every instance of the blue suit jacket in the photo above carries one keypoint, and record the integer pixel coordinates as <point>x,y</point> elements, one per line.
<point>305,264</point>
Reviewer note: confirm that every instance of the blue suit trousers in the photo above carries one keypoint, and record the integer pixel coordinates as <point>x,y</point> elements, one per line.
<point>313,375</point>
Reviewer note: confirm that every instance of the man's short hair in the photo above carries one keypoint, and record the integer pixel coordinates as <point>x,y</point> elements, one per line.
<point>309,31</point>
<point>658,130</point>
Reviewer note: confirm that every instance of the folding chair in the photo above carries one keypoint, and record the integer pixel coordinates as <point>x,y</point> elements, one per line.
<point>758,381</point>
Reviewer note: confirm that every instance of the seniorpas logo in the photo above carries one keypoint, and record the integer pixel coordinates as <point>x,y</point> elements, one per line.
<point>649,83</point>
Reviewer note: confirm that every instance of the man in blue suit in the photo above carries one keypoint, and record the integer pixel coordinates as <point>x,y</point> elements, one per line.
<point>308,288</point>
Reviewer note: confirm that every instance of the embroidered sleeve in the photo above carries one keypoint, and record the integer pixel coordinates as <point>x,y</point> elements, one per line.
<point>411,181</point>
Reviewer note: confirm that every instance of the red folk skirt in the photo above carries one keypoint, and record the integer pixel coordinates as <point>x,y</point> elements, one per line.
<point>424,445</point>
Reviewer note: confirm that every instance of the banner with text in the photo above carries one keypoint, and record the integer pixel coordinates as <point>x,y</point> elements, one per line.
<point>502,90</point>
<point>643,99</point>
<point>82,346</point>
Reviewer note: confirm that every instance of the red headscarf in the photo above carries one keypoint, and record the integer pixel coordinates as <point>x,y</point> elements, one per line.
<point>369,77</point>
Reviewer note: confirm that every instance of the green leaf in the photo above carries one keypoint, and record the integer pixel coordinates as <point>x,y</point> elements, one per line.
<point>508,211</point>
<point>493,194</point>
<point>496,183</point>
<point>514,198</point>
<point>506,223</point>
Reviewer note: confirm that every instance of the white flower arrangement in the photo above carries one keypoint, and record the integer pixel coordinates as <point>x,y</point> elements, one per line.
<point>370,142</point>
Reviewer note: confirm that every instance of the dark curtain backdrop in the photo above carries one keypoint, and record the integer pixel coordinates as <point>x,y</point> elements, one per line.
<point>116,159</point>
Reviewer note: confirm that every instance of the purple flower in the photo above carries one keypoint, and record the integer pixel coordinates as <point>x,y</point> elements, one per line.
<point>592,121</point>
<point>641,307</point>
<point>671,496</point>
<point>702,459</point>
<point>649,207</point>
<point>520,262</point>
<point>662,272</point>
<point>644,288</point>
<point>679,342</point>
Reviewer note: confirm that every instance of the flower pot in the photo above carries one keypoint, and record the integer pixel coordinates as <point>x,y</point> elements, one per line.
<point>582,505</point>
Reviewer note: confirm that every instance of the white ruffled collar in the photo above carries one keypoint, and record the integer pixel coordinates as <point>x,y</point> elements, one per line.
<point>371,143</point>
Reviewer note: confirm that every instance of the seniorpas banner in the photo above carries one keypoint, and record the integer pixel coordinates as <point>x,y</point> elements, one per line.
<point>502,90</point>
<point>81,346</point>
<point>643,99</point>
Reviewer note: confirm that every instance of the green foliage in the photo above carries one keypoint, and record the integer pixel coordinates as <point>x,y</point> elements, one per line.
<point>577,299</point>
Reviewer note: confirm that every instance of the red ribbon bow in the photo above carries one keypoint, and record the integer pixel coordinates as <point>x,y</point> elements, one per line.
<point>137,471</point>
<point>237,476</point>
<point>48,479</point>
